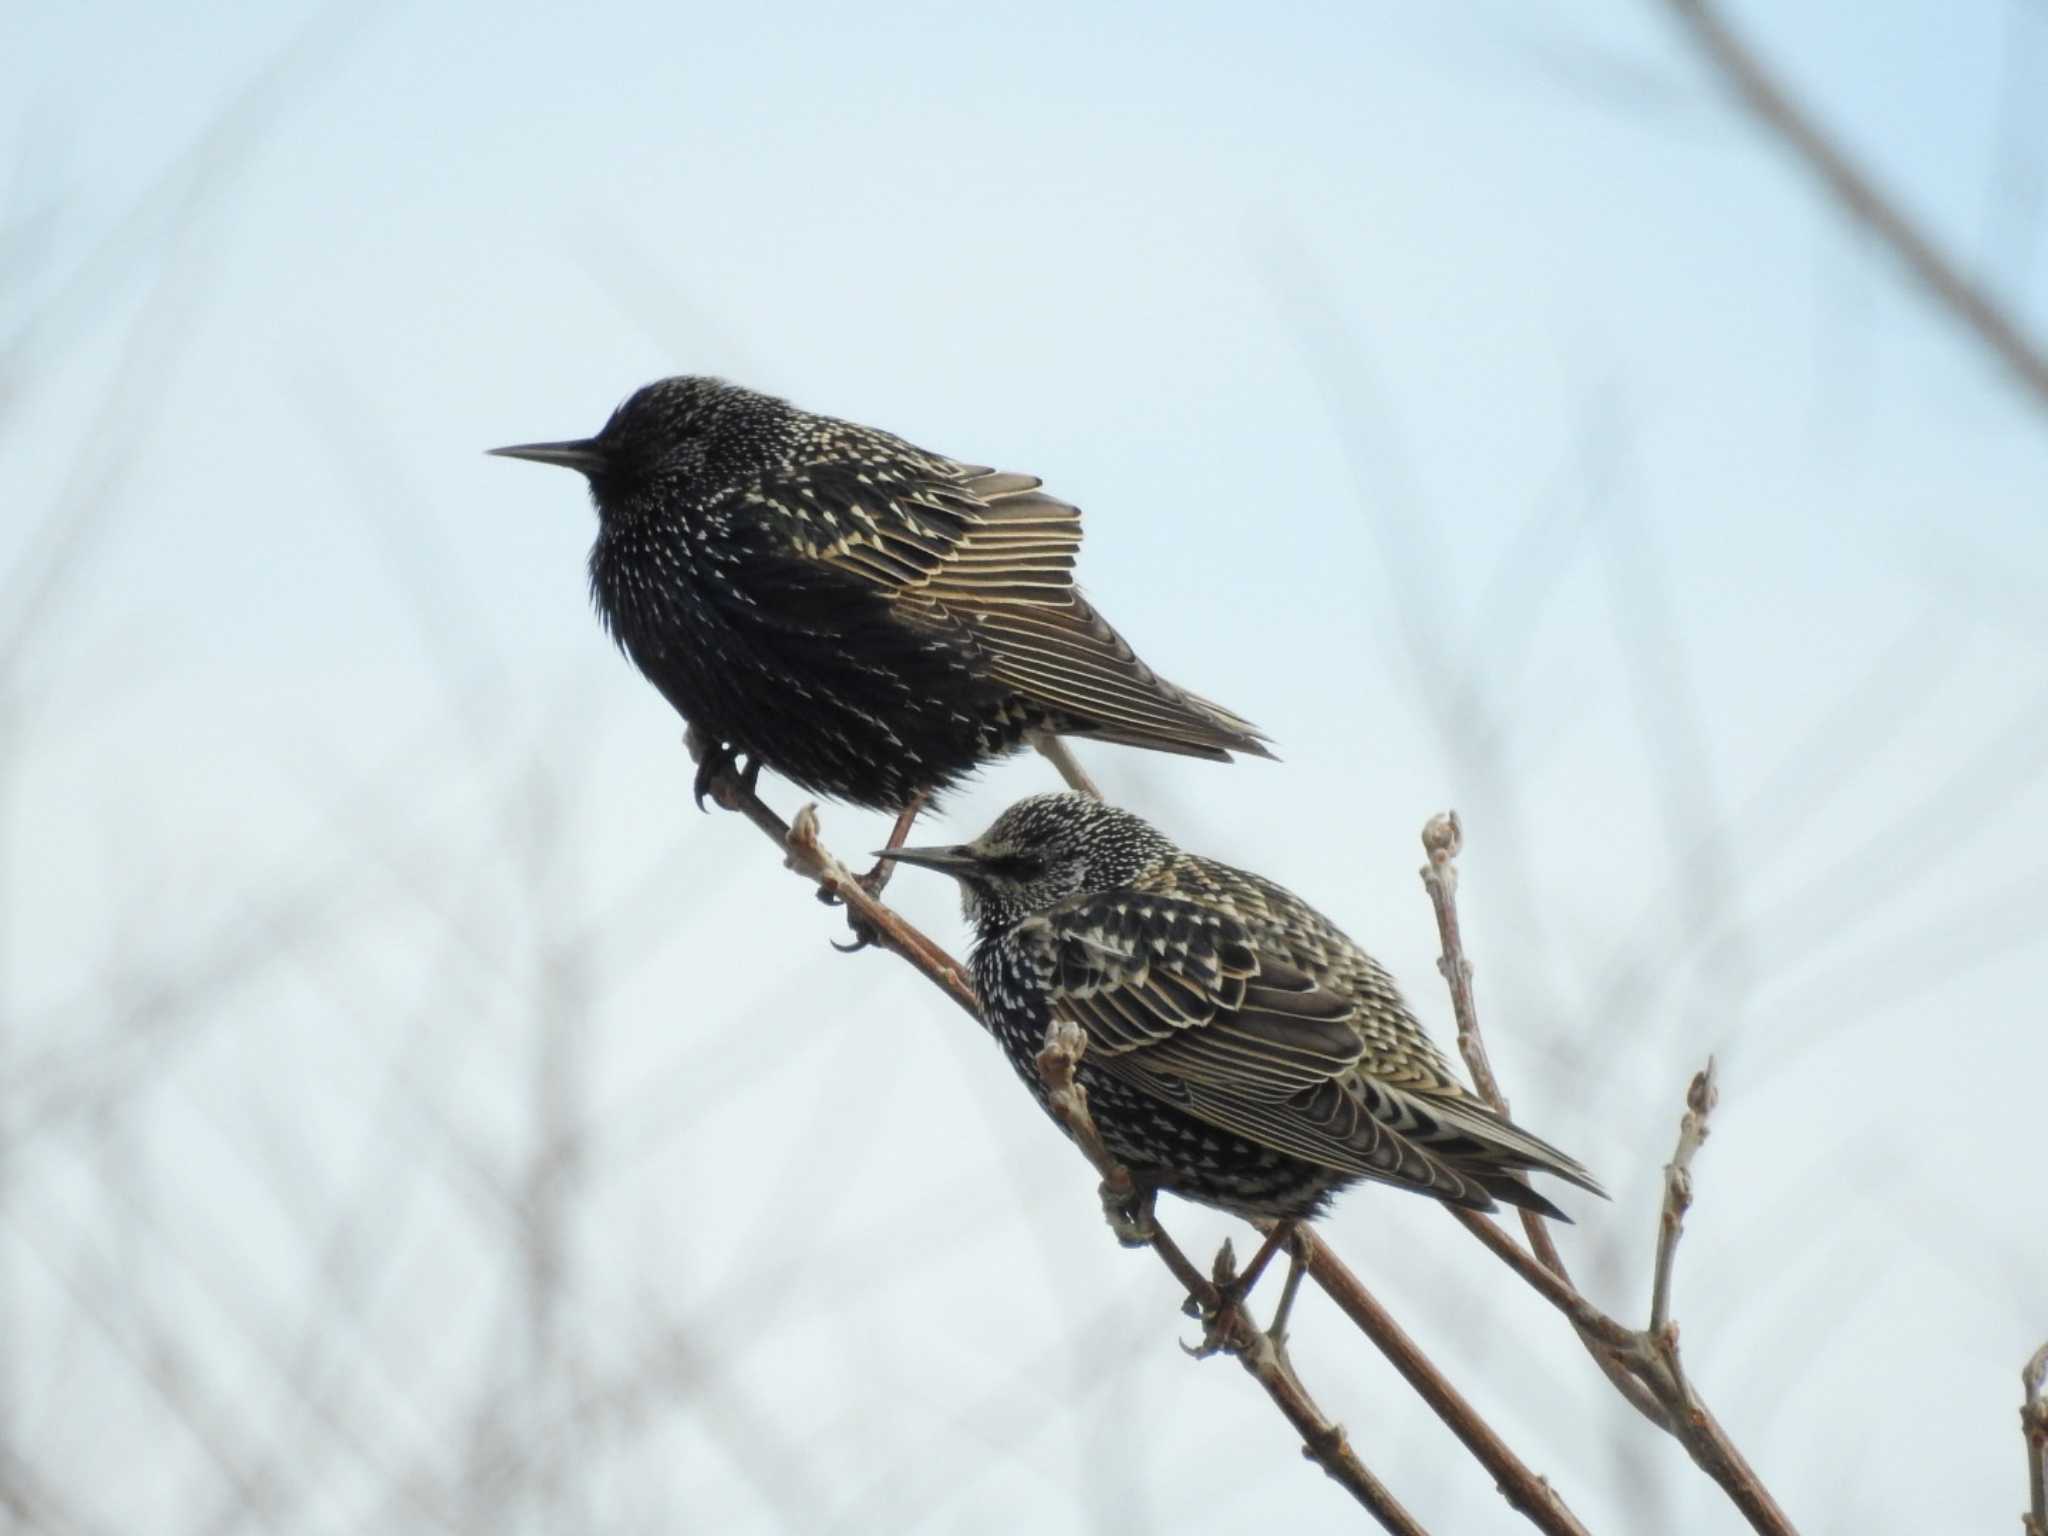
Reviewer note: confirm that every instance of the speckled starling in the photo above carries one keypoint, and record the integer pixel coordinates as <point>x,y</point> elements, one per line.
<point>869,619</point>
<point>1241,1050</point>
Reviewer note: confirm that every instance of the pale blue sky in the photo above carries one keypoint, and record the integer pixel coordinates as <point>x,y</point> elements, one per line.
<point>1467,394</point>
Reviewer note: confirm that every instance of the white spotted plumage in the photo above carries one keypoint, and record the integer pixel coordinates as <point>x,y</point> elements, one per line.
<point>1242,1050</point>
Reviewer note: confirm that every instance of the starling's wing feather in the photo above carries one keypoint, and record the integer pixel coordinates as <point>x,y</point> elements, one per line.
<point>989,558</point>
<point>1180,1000</point>
<point>1446,1118</point>
<point>1403,1077</point>
<point>1350,1141</point>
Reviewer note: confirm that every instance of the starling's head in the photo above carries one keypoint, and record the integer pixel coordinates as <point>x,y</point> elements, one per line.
<point>1041,851</point>
<point>686,437</point>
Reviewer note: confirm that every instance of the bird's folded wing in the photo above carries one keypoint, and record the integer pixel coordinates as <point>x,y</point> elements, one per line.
<point>988,538</point>
<point>989,557</point>
<point>1178,1000</point>
<point>1181,1001</point>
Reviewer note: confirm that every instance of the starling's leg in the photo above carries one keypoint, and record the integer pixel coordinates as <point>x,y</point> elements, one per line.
<point>1062,757</point>
<point>876,879</point>
<point>1297,1267</point>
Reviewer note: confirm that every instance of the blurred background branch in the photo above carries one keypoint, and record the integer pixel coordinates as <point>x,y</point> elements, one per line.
<point>1857,194</point>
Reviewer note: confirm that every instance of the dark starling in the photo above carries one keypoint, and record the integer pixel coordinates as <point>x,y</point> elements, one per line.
<point>1241,1050</point>
<point>870,620</point>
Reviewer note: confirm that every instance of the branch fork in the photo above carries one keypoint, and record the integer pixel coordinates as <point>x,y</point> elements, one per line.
<point>1642,1363</point>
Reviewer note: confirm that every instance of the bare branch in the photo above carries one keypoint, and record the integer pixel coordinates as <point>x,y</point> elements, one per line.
<point>1773,106</point>
<point>1528,1493</point>
<point>2034,1430</point>
<point>1443,837</point>
<point>1692,1130</point>
<point>1604,1336</point>
<point>1643,1365</point>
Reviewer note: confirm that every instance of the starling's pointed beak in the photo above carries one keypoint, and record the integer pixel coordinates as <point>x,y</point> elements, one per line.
<point>947,861</point>
<point>583,454</point>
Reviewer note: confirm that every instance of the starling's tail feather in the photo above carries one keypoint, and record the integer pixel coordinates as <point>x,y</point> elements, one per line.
<point>996,554</point>
<point>1075,660</point>
<point>1245,737</point>
<point>1506,1146</point>
<point>1505,1186</point>
<point>1174,744</point>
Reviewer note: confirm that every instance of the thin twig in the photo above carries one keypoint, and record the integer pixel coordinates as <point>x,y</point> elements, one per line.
<point>1943,279</point>
<point>1643,1364</point>
<point>1692,1130</point>
<point>2034,1430</point>
<point>1229,1329</point>
<point>1604,1335</point>
<point>1443,837</point>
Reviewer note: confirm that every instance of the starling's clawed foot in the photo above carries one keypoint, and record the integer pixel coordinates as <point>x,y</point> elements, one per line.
<point>713,759</point>
<point>719,765</point>
<point>1129,1213</point>
<point>876,880</point>
<point>1224,1330</point>
<point>864,935</point>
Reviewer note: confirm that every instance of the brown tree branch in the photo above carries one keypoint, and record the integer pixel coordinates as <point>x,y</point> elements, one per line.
<point>1773,106</point>
<point>1442,839</point>
<point>804,854</point>
<point>2034,1431</point>
<point>1524,1490</point>
<point>1643,1364</point>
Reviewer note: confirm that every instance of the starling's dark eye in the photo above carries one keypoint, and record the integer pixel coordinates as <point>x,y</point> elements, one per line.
<point>1016,866</point>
